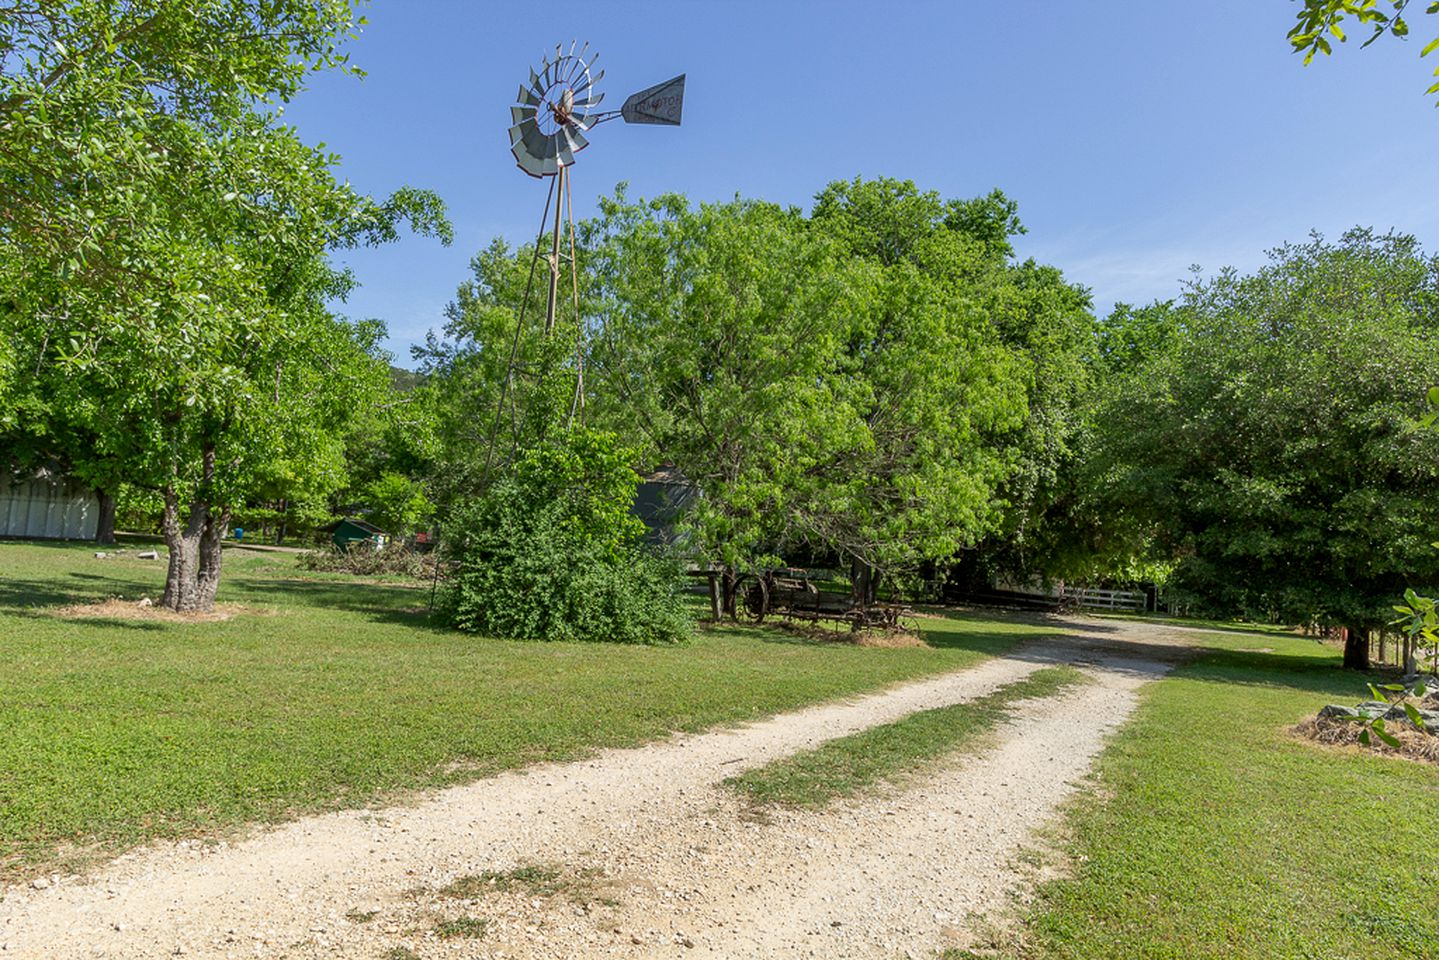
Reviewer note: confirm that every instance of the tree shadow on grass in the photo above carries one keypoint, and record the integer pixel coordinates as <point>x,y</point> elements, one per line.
<point>118,623</point>
<point>988,635</point>
<point>1319,673</point>
<point>25,596</point>
<point>385,603</point>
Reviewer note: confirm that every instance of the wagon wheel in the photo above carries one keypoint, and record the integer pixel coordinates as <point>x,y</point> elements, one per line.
<point>756,599</point>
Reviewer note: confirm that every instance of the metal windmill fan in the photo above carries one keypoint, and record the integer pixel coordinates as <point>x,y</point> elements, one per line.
<point>554,109</point>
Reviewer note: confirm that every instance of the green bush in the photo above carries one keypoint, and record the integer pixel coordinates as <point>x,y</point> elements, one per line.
<point>552,552</point>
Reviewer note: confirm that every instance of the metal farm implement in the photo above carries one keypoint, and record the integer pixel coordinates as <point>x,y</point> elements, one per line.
<point>794,594</point>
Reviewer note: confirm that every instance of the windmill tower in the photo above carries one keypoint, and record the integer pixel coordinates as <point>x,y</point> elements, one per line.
<point>549,119</point>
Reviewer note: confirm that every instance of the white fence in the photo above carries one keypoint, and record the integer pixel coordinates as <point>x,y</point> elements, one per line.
<point>48,508</point>
<point>1088,597</point>
<point>1106,599</point>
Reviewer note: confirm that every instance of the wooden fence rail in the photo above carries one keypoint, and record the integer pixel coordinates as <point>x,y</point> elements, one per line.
<point>1106,599</point>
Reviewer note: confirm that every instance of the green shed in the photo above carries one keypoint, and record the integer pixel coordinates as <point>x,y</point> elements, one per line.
<point>350,531</point>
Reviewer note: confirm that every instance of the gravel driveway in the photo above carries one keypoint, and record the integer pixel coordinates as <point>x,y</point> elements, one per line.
<point>635,853</point>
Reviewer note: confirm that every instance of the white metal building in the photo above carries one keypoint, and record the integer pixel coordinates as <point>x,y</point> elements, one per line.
<point>47,507</point>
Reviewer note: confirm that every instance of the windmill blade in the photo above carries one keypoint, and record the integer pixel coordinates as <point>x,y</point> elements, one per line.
<point>521,114</point>
<point>531,165</point>
<point>593,101</point>
<point>590,81</point>
<point>532,149</point>
<point>663,103</point>
<point>535,87</point>
<point>575,138</point>
<point>526,98</point>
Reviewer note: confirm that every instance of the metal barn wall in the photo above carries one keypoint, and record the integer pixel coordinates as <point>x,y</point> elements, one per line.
<point>52,509</point>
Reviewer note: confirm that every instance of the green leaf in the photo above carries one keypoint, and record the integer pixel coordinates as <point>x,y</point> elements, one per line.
<point>1414,716</point>
<point>1429,48</point>
<point>1382,732</point>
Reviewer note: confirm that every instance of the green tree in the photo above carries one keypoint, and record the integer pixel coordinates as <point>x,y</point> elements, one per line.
<point>830,382</point>
<point>1044,323</point>
<point>878,381</point>
<point>1272,443</point>
<point>494,383</point>
<point>167,241</point>
<point>1320,21</point>
<point>396,504</point>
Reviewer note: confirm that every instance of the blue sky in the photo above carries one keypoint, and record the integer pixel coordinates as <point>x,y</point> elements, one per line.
<point>1138,137</point>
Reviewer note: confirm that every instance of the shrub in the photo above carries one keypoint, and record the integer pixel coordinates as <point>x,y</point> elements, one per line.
<point>552,552</point>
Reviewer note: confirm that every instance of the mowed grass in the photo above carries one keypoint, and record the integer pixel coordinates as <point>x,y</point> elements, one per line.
<point>1212,832</point>
<point>332,692</point>
<point>845,766</point>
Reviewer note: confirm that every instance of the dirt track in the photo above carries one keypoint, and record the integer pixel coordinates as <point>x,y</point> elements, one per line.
<point>644,855</point>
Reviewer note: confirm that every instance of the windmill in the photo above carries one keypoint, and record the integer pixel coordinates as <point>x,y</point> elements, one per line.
<point>549,119</point>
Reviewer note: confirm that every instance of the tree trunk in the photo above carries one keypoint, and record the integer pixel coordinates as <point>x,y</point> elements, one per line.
<point>863,581</point>
<point>716,604</point>
<point>181,577</point>
<point>105,527</point>
<point>194,571</point>
<point>280,528</point>
<point>1356,648</point>
<point>208,574</point>
<point>729,580</point>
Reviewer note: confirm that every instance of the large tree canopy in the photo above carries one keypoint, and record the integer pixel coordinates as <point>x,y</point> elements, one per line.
<point>878,380</point>
<point>166,241</point>
<point>1267,432</point>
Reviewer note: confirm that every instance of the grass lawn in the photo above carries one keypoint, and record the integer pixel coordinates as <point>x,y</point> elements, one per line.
<point>847,765</point>
<point>1212,832</point>
<point>333,692</point>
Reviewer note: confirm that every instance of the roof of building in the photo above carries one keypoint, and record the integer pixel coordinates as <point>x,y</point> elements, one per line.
<point>367,527</point>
